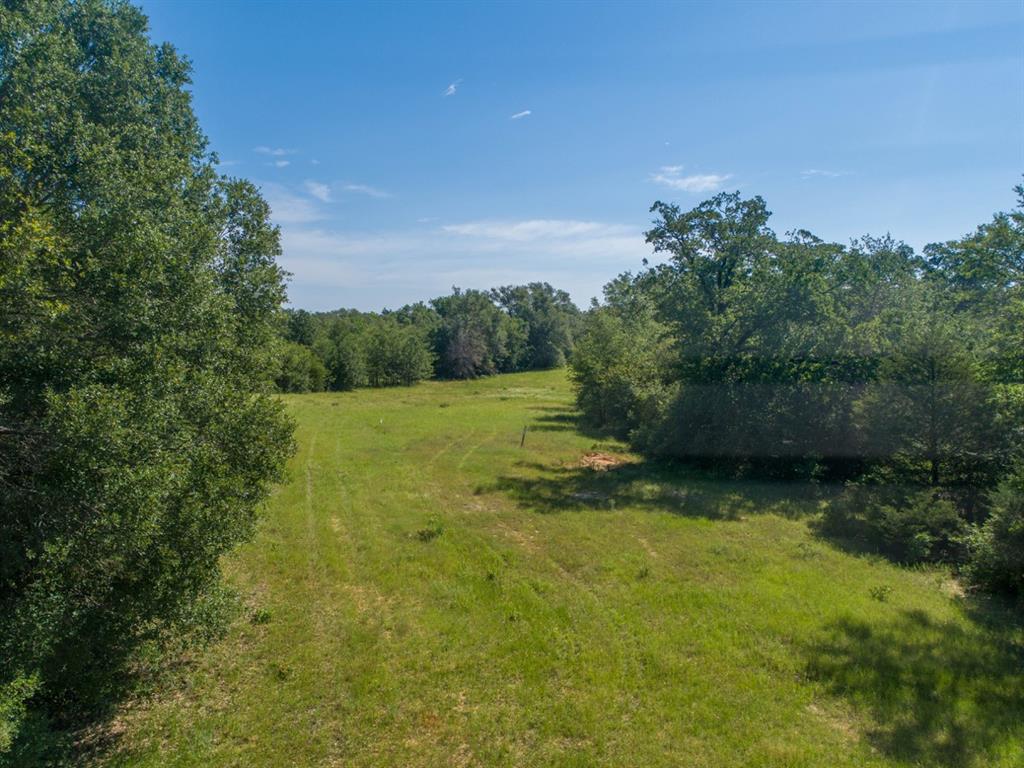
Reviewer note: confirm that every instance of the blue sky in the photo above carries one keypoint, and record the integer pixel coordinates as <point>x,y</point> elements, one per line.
<point>406,148</point>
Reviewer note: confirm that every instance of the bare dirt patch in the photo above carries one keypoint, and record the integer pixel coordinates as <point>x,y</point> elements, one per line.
<point>601,462</point>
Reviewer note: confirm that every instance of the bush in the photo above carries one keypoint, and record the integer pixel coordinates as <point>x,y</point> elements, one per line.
<point>996,548</point>
<point>617,372</point>
<point>13,698</point>
<point>907,525</point>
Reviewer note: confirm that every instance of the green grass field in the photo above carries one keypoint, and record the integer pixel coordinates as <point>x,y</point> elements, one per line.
<point>426,592</point>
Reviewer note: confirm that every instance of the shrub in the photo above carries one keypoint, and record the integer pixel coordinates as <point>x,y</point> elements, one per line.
<point>13,698</point>
<point>996,548</point>
<point>907,525</point>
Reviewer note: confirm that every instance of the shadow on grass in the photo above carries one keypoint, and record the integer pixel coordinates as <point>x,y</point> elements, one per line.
<point>944,694</point>
<point>653,486</point>
<point>936,693</point>
<point>40,743</point>
<point>562,418</point>
<point>555,422</point>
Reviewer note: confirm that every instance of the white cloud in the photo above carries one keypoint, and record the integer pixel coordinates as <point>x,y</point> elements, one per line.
<point>532,229</point>
<point>544,241</point>
<point>818,172</point>
<point>519,115</point>
<point>321,192</point>
<point>388,268</point>
<point>273,151</point>
<point>365,189</point>
<point>452,87</point>
<point>287,208</point>
<point>282,163</point>
<point>669,176</point>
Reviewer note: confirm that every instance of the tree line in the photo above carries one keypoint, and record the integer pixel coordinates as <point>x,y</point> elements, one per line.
<point>900,375</point>
<point>465,334</point>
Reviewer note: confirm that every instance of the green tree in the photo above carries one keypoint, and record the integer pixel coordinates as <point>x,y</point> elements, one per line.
<point>996,549</point>
<point>301,327</point>
<point>342,348</point>
<point>930,416</point>
<point>619,362</point>
<point>983,274</point>
<point>474,337</point>
<point>757,337</point>
<point>396,354</point>
<point>301,370</point>
<point>549,318</point>
<point>139,307</point>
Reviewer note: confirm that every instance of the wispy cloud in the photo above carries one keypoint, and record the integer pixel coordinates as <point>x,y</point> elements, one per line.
<point>543,241</point>
<point>671,176</point>
<point>281,163</point>
<point>520,115</point>
<point>365,189</point>
<point>371,269</point>
<point>452,88</point>
<point>533,229</point>
<point>320,191</point>
<point>811,173</point>
<point>288,208</point>
<point>273,151</point>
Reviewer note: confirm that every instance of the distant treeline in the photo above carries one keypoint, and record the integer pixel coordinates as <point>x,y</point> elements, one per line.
<point>869,364</point>
<point>466,334</point>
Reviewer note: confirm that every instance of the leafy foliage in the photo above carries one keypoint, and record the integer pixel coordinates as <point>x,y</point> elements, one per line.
<point>474,337</point>
<point>300,370</point>
<point>463,335</point>
<point>907,524</point>
<point>139,300</point>
<point>997,547</point>
<point>786,357</point>
<point>549,317</point>
<point>618,363</point>
<point>397,354</point>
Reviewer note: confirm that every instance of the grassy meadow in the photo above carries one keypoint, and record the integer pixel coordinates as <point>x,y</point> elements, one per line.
<point>425,591</point>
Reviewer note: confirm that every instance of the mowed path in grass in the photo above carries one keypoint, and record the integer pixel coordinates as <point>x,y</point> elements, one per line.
<point>435,595</point>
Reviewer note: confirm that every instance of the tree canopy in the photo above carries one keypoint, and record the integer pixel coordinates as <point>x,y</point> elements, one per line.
<point>139,308</point>
<point>464,334</point>
<point>794,357</point>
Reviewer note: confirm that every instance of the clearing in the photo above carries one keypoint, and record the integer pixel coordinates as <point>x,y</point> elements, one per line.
<point>425,592</point>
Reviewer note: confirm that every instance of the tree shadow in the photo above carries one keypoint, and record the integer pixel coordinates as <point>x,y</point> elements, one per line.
<point>555,422</point>
<point>938,693</point>
<point>653,486</point>
<point>562,418</point>
<point>42,742</point>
